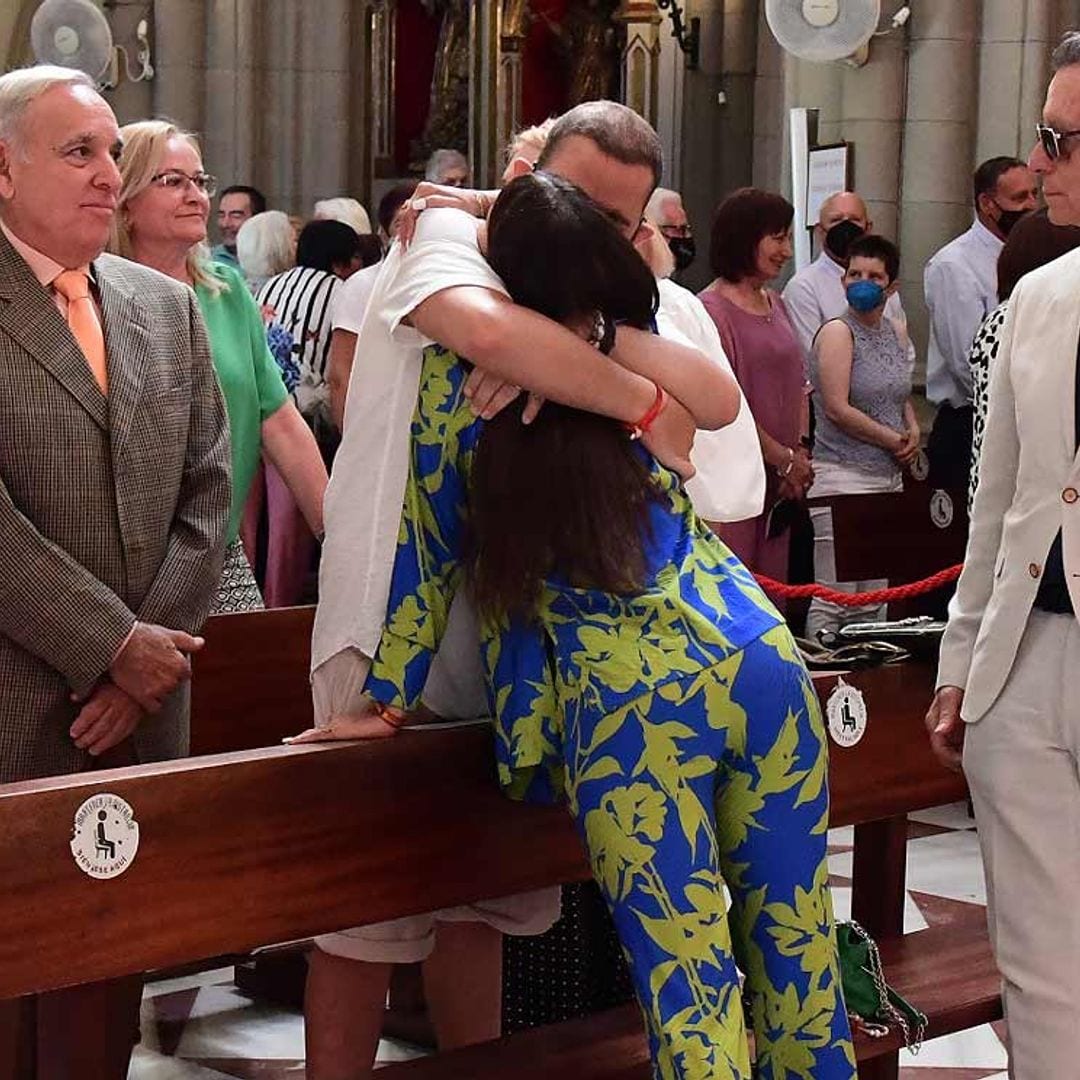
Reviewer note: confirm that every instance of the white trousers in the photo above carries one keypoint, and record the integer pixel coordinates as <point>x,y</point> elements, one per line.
<point>833,479</point>
<point>1021,763</point>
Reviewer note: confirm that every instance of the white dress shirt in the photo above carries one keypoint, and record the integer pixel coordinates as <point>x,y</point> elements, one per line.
<point>960,283</point>
<point>729,484</point>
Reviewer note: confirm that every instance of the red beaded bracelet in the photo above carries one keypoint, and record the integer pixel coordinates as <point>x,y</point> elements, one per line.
<point>643,426</point>
<point>389,715</point>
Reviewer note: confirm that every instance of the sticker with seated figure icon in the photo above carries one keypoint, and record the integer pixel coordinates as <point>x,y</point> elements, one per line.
<point>105,837</point>
<point>846,714</point>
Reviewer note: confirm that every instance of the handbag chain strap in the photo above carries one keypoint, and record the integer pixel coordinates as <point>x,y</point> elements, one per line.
<point>888,1009</point>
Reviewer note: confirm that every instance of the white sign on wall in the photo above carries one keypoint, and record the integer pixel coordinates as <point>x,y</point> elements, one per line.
<point>827,173</point>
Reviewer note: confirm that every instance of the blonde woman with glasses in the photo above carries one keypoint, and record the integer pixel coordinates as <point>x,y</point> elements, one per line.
<point>161,222</point>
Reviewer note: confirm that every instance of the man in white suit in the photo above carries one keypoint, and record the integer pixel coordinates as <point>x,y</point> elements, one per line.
<point>1008,697</point>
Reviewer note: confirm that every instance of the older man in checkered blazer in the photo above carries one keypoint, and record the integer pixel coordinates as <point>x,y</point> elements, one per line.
<point>114,491</point>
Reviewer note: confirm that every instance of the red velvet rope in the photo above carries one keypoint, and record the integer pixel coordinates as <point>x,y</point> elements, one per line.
<point>864,599</point>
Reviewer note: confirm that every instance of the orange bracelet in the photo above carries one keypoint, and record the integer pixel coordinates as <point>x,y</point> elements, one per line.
<point>389,715</point>
<point>643,426</point>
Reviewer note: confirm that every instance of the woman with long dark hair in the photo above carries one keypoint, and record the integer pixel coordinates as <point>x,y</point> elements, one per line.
<point>634,667</point>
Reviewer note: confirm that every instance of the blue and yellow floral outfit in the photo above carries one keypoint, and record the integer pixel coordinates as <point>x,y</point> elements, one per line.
<point>681,727</point>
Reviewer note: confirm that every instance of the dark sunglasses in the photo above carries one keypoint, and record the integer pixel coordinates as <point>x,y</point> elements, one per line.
<point>1050,140</point>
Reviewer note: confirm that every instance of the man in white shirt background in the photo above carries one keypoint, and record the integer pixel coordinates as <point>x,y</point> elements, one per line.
<point>816,293</point>
<point>960,283</point>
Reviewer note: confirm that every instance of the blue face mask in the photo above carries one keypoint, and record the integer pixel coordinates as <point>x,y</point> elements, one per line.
<point>864,295</point>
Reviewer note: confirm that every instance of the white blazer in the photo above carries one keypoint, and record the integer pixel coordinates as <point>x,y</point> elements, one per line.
<point>1029,486</point>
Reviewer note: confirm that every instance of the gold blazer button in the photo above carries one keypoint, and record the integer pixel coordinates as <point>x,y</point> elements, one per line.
<point>1070,495</point>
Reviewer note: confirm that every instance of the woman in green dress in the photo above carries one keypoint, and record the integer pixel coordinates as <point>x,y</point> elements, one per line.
<point>161,222</point>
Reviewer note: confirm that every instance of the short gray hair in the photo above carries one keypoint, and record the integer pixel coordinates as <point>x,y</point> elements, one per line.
<point>21,88</point>
<point>347,211</point>
<point>654,207</point>
<point>265,246</point>
<point>441,160</point>
<point>1067,53</point>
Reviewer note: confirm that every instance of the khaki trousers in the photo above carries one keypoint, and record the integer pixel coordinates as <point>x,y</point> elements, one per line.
<point>1021,764</point>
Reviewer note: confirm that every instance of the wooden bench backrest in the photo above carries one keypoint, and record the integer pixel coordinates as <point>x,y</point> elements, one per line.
<point>894,536</point>
<point>250,684</point>
<point>271,845</point>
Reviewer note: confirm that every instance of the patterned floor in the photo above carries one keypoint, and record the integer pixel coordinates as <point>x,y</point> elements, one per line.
<point>200,1028</point>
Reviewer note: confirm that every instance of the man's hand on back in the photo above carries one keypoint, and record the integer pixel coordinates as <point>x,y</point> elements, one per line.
<point>153,663</point>
<point>488,395</point>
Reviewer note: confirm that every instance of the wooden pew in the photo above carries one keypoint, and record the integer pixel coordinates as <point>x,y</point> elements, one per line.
<point>896,536</point>
<point>258,847</point>
<point>249,685</point>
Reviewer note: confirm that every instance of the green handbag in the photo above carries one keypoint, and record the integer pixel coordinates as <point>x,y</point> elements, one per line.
<point>869,999</point>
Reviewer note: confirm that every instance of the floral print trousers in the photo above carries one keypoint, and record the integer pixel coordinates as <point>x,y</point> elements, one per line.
<point>719,779</point>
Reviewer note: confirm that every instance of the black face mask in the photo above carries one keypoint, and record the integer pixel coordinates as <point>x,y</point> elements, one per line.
<point>1007,219</point>
<point>684,249</point>
<point>838,239</point>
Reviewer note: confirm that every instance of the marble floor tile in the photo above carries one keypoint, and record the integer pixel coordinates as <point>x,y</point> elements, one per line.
<point>976,1047</point>
<point>948,865</point>
<point>913,916</point>
<point>951,816</point>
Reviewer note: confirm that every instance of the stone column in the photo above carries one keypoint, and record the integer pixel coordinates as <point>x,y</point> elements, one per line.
<point>516,15</point>
<point>872,104</point>
<point>1066,17</point>
<point>234,106</point>
<point>719,124</point>
<point>179,41</point>
<point>671,78</point>
<point>484,146</point>
<point>861,105</point>
<point>1014,66</point>
<point>939,143</point>
<point>639,75</point>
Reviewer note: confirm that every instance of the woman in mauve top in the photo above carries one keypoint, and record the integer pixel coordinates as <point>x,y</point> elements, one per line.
<point>750,243</point>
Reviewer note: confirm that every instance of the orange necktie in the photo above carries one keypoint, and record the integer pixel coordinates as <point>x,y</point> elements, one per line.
<point>74,286</point>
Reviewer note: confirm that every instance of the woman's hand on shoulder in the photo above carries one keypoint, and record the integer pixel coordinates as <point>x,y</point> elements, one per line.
<point>429,196</point>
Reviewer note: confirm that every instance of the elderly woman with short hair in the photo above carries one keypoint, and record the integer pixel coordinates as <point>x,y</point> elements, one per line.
<point>266,246</point>
<point>161,222</point>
